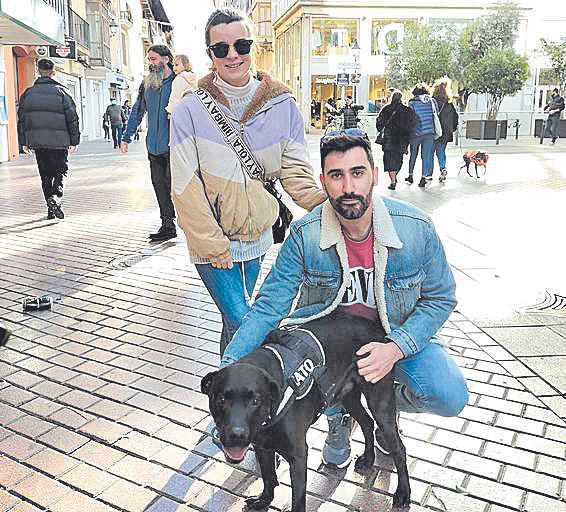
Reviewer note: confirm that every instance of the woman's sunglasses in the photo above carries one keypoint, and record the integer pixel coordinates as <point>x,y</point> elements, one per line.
<point>242,47</point>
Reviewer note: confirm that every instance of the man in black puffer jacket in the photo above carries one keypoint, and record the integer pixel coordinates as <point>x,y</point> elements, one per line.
<point>350,113</point>
<point>48,123</point>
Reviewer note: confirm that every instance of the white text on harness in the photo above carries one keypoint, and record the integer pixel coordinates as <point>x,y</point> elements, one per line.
<point>303,371</point>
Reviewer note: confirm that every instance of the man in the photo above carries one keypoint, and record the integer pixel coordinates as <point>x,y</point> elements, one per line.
<point>153,97</point>
<point>48,123</point>
<point>350,113</point>
<point>116,117</point>
<point>371,256</point>
<point>554,109</point>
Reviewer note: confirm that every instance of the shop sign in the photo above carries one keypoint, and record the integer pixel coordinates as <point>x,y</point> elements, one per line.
<point>65,51</point>
<point>343,79</point>
<point>347,65</point>
<point>355,78</point>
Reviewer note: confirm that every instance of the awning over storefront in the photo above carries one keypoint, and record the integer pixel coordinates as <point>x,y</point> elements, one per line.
<point>30,22</point>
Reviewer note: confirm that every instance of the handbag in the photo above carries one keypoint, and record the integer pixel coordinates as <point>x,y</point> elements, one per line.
<point>249,163</point>
<point>436,120</point>
<point>380,139</point>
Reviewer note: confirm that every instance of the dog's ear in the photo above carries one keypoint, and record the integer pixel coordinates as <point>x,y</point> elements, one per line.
<point>206,382</point>
<point>275,394</point>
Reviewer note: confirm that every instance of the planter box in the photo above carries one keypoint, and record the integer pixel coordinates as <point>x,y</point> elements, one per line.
<point>561,128</point>
<point>481,129</point>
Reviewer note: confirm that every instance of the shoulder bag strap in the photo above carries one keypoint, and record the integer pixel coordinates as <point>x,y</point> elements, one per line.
<point>249,163</point>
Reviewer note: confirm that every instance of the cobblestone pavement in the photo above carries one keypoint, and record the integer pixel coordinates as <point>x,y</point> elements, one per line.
<point>100,407</point>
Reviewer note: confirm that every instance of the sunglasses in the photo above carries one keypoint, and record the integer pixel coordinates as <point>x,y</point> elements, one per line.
<point>352,132</point>
<point>242,47</point>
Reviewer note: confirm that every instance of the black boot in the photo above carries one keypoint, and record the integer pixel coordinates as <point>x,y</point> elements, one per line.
<point>54,205</point>
<point>165,232</point>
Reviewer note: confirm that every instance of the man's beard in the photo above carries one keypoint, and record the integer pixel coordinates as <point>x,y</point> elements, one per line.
<point>154,80</point>
<point>350,211</point>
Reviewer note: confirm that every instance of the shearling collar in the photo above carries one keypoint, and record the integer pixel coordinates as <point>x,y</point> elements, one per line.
<point>268,88</point>
<point>383,230</point>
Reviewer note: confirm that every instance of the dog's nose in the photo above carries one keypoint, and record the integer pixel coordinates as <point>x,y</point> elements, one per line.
<point>238,436</point>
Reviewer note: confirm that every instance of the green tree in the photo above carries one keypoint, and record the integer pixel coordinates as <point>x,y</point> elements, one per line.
<point>556,53</point>
<point>498,73</point>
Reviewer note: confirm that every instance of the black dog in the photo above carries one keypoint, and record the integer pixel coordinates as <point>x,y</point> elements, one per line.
<point>476,157</point>
<point>245,399</point>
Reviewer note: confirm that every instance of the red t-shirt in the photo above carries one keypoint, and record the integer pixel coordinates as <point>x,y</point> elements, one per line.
<point>359,298</point>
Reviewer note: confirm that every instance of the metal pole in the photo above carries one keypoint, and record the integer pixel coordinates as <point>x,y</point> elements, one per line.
<point>497,131</point>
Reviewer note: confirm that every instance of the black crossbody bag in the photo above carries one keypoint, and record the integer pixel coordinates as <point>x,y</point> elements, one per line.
<point>249,163</point>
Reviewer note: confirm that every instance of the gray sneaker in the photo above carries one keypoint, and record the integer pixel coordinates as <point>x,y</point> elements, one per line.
<point>336,451</point>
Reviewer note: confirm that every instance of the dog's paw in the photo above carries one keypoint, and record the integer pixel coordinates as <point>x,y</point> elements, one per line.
<point>364,463</point>
<point>260,502</point>
<point>401,499</point>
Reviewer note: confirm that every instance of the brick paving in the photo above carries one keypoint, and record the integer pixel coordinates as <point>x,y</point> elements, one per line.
<point>100,407</point>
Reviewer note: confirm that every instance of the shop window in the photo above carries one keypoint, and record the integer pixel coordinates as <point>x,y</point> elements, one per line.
<point>333,37</point>
<point>387,35</point>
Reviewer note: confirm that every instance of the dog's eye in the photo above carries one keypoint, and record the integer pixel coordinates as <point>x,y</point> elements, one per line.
<point>221,399</point>
<point>256,402</point>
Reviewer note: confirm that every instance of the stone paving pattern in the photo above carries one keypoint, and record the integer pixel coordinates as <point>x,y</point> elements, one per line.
<point>100,408</point>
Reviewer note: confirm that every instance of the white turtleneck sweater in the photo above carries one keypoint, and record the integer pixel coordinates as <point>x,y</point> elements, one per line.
<point>239,97</point>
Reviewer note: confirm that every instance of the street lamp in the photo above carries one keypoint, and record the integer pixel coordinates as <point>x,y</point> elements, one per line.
<point>113,26</point>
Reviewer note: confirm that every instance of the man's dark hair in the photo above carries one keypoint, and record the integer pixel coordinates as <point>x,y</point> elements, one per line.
<point>164,51</point>
<point>343,143</point>
<point>420,89</point>
<point>45,65</point>
<point>225,15</point>
<point>555,90</point>
<point>348,97</point>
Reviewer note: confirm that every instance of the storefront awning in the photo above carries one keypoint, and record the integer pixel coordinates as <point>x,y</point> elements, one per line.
<point>30,22</point>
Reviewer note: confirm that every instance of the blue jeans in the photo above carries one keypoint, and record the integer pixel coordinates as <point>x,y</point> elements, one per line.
<point>117,134</point>
<point>226,287</point>
<point>426,144</point>
<point>430,381</point>
<point>552,124</point>
<point>440,150</point>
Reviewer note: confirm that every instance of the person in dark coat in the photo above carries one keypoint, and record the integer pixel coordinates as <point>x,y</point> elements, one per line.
<point>448,120</point>
<point>116,118</point>
<point>350,113</point>
<point>48,123</point>
<point>398,123</point>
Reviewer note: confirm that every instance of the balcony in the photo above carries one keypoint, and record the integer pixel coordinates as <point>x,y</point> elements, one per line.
<point>99,33</point>
<point>126,18</point>
<point>78,29</point>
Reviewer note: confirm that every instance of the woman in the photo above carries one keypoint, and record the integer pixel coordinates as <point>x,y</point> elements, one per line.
<point>448,120</point>
<point>423,140</point>
<point>227,215</point>
<point>398,123</point>
<point>185,81</point>
<point>126,108</point>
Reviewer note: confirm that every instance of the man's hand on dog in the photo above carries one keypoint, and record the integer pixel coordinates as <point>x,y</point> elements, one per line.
<point>379,360</point>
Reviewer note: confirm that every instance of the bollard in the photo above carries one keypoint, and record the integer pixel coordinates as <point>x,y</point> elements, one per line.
<point>516,124</point>
<point>497,131</point>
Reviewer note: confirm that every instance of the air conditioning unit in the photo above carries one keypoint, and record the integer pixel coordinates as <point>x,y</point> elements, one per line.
<point>42,51</point>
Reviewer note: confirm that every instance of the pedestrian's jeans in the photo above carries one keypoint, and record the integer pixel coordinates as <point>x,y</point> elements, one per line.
<point>117,134</point>
<point>226,287</point>
<point>430,381</point>
<point>426,145</point>
<point>161,181</point>
<point>552,125</point>
<point>440,151</point>
<point>52,165</point>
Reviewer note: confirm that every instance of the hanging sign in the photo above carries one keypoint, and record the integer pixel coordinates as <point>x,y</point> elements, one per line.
<point>65,51</point>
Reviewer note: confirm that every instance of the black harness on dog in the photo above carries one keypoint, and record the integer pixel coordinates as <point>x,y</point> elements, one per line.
<point>303,363</point>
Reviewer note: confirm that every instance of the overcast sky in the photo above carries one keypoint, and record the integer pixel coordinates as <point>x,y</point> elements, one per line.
<point>189,19</point>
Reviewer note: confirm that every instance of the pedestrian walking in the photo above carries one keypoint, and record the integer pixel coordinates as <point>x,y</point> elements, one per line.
<point>48,124</point>
<point>423,140</point>
<point>106,127</point>
<point>116,118</point>
<point>350,113</point>
<point>554,110</point>
<point>448,120</point>
<point>226,214</point>
<point>126,108</point>
<point>185,80</point>
<point>398,123</point>
<point>153,97</point>
<point>373,257</point>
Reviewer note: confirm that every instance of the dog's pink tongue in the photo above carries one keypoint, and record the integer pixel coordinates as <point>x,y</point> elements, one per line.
<point>236,453</point>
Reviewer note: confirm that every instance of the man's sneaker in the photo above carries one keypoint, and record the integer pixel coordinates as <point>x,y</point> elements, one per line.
<point>442,177</point>
<point>380,442</point>
<point>50,214</point>
<point>409,179</point>
<point>422,183</point>
<point>336,451</point>
<point>163,233</point>
<point>55,206</point>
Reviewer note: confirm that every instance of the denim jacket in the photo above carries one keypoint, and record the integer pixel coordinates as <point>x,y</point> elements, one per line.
<point>413,284</point>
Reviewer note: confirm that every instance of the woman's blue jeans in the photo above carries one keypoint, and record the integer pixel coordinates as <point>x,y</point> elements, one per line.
<point>430,382</point>
<point>440,150</point>
<point>226,287</point>
<point>426,144</point>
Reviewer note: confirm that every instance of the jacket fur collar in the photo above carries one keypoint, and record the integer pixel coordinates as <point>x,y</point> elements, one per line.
<point>268,89</point>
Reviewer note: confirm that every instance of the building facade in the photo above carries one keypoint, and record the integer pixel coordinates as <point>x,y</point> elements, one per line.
<point>333,48</point>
